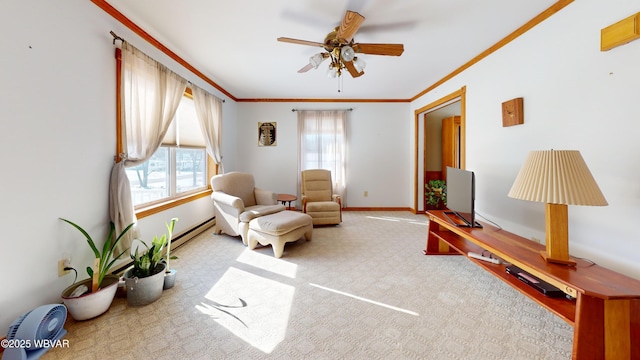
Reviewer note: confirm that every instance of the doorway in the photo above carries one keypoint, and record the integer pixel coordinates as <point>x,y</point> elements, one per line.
<point>428,164</point>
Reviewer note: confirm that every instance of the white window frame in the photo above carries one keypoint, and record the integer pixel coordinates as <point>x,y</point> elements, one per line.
<point>172,180</point>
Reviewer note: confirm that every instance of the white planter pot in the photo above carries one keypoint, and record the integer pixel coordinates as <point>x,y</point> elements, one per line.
<point>169,279</point>
<point>143,291</point>
<point>90,305</point>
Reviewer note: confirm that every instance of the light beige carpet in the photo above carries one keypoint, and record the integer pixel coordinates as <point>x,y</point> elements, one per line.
<point>361,290</point>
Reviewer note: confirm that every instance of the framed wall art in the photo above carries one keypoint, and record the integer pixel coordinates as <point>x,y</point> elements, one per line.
<point>266,134</point>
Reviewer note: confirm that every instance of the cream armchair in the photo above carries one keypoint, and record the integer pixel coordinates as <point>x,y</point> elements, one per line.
<point>237,201</point>
<point>318,199</point>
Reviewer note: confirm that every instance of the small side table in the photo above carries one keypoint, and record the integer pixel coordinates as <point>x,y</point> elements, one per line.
<point>287,198</point>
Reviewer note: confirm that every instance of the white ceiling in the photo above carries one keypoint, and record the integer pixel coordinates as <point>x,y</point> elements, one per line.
<point>234,43</point>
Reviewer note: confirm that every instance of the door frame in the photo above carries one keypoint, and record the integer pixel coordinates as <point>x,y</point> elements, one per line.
<point>458,95</point>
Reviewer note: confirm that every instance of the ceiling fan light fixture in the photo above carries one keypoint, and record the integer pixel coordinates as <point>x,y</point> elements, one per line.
<point>332,72</point>
<point>359,64</point>
<point>347,53</point>
<point>315,60</point>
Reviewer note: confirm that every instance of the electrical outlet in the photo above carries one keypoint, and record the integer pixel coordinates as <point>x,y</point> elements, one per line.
<point>533,238</point>
<point>63,263</point>
<point>366,193</point>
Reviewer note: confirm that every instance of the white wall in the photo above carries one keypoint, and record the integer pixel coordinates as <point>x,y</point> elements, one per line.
<point>575,97</point>
<point>57,142</point>
<point>57,137</point>
<point>379,157</point>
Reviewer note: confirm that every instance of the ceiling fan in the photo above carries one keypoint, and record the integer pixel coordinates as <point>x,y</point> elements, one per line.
<point>341,48</point>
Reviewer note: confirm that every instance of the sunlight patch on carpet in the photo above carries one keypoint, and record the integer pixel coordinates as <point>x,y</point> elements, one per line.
<point>397,219</point>
<point>383,218</point>
<point>366,300</point>
<point>262,323</point>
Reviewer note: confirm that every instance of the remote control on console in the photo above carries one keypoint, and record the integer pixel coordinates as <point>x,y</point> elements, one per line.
<point>482,257</point>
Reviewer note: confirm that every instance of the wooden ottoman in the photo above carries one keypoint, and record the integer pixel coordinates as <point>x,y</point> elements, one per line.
<point>279,228</point>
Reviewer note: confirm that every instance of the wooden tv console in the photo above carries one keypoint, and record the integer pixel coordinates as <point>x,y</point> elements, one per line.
<point>603,306</point>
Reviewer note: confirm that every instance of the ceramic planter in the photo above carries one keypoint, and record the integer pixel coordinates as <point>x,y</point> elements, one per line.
<point>169,279</point>
<point>90,305</point>
<point>143,291</point>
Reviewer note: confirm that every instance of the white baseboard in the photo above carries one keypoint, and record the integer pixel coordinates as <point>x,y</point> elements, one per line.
<point>176,242</point>
<point>191,233</point>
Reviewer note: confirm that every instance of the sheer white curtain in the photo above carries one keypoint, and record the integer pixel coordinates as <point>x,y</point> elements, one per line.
<point>150,96</point>
<point>209,113</point>
<point>322,144</point>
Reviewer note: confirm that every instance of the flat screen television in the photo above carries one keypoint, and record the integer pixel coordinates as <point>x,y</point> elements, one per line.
<point>461,193</point>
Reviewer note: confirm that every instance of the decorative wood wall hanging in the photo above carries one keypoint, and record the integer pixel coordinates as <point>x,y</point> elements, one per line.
<point>620,33</point>
<point>267,134</point>
<point>512,112</point>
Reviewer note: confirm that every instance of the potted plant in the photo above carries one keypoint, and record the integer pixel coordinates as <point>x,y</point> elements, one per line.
<point>435,194</point>
<point>170,274</point>
<point>92,297</point>
<point>145,279</point>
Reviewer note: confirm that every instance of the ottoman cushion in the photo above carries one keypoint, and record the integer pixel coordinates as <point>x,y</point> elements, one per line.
<point>280,223</point>
<point>278,229</point>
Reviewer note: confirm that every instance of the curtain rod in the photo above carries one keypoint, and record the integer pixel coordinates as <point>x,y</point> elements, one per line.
<point>190,83</point>
<point>349,109</point>
<point>115,37</point>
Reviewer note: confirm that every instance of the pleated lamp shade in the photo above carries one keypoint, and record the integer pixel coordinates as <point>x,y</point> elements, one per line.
<point>557,177</point>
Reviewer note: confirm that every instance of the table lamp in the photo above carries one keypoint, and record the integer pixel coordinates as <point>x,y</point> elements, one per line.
<point>557,178</point>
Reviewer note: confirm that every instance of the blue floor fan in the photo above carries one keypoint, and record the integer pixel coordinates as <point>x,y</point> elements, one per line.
<point>35,332</point>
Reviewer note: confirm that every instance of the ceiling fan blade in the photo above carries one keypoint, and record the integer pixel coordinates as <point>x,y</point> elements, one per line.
<point>350,24</point>
<point>306,68</point>
<point>300,42</point>
<point>314,62</point>
<point>379,49</point>
<point>352,69</point>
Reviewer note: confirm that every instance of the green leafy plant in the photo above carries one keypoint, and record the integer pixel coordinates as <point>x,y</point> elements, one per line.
<point>436,192</point>
<point>145,264</point>
<point>170,227</point>
<point>106,258</point>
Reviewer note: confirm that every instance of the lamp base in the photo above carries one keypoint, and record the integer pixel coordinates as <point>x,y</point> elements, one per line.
<point>557,242</point>
<point>550,259</point>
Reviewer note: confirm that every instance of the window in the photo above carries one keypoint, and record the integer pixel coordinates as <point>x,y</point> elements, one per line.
<point>322,144</point>
<point>178,167</point>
